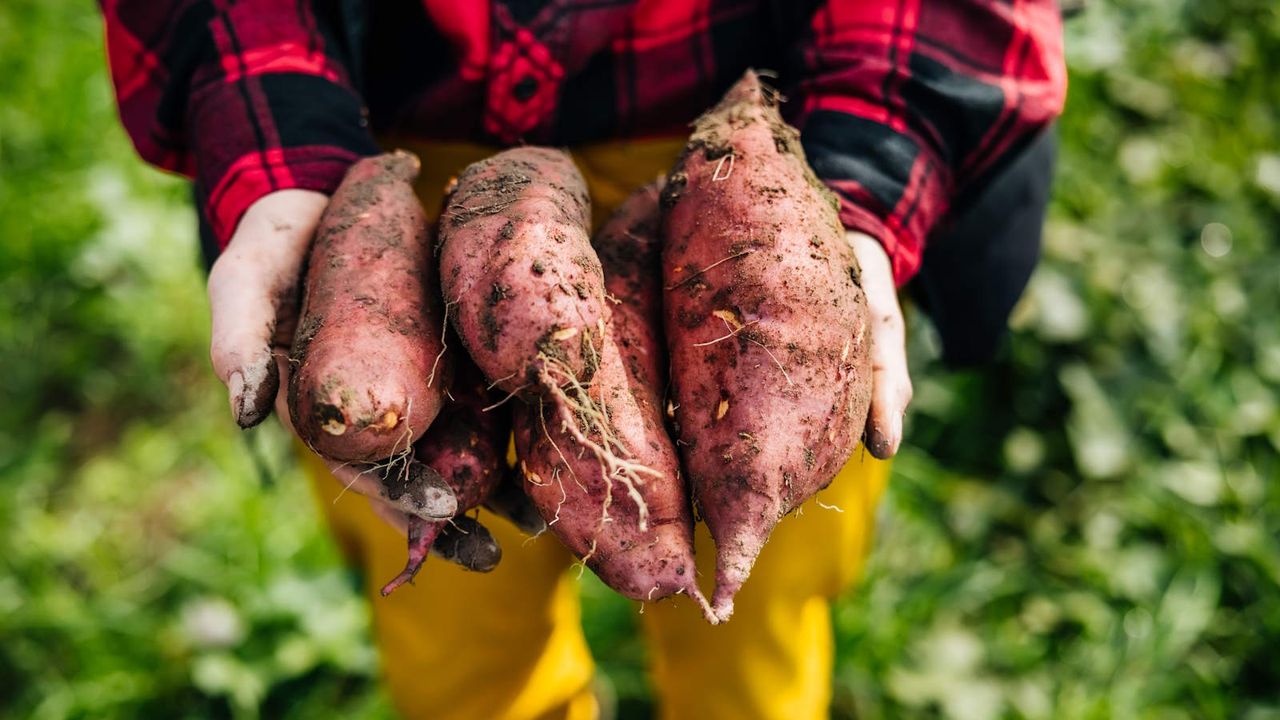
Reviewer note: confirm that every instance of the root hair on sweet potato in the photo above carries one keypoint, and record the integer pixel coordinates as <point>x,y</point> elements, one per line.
<point>505,399</point>
<point>444,345</point>
<point>555,472</point>
<point>626,515</point>
<point>685,281</point>
<point>573,406</point>
<point>732,332</point>
<point>716,177</point>
<point>785,375</point>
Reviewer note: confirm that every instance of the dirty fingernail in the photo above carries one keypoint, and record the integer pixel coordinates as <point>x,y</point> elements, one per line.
<point>235,390</point>
<point>440,503</point>
<point>895,435</point>
<point>877,441</point>
<point>253,390</point>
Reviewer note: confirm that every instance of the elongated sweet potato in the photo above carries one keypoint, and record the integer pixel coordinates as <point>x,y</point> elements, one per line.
<point>467,447</point>
<point>368,370</point>
<point>521,283</point>
<point>766,324</point>
<point>624,512</point>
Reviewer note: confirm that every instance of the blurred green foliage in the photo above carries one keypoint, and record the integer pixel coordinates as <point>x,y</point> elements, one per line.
<point>145,565</point>
<point>1088,529</point>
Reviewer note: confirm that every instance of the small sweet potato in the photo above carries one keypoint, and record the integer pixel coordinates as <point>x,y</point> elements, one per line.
<point>625,511</point>
<point>521,283</point>
<point>368,368</point>
<point>466,446</point>
<point>766,324</point>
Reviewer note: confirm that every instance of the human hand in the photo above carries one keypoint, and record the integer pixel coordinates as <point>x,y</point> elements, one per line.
<point>254,294</point>
<point>891,381</point>
<point>253,298</point>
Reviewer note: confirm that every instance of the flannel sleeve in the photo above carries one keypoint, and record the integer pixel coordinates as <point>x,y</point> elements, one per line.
<point>904,103</point>
<point>246,97</point>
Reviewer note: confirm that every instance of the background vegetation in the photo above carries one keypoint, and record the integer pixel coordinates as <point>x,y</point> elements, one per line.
<point>1088,530</point>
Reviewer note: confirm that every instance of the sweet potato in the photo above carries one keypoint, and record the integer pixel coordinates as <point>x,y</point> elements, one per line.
<point>467,447</point>
<point>625,511</point>
<point>766,325</point>
<point>368,368</point>
<point>521,283</point>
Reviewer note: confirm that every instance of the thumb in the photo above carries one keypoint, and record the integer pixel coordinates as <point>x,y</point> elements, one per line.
<point>251,285</point>
<point>891,379</point>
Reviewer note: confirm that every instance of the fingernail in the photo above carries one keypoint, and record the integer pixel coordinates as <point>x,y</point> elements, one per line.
<point>440,503</point>
<point>877,441</point>
<point>895,435</point>
<point>253,390</point>
<point>235,390</point>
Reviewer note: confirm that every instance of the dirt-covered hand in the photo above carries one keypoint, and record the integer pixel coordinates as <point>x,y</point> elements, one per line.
<point>253,300</point>
<point>412,490</point>
<point>253,297</point>
<point>462,540</point>
<point>891,381</point>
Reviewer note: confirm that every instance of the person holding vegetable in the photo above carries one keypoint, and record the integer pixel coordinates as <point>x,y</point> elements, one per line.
<point>927,118</point>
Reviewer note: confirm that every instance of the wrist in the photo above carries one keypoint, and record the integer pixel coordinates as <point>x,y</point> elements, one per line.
<point>249,180</point>
<point>903,250</point>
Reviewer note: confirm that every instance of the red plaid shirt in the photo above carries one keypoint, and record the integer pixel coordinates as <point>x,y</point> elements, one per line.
<point>901,103</point>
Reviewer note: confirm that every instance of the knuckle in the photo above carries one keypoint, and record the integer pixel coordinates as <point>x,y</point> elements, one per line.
<point>223,357</point>
<point>906,392</point>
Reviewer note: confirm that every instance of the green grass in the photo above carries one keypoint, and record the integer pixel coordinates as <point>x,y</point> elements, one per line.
<point>1088,529</point>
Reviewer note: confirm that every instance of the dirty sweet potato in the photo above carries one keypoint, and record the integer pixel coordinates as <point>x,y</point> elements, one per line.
<point>522,285</point>
<point>466,446</point>
<point>625,512</point>
<point>766,326</point>
<point>368,368</point>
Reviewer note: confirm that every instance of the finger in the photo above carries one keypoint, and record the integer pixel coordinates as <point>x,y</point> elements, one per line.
<point>243,313</point>
<point>462,541</point>
<point>406,487</point>
<point>403,485</point>
<point>248,284</point>
<point>891,380</point>
<point>415,489</point>
<point>467,543</point>
<point>511,502</point>
<point>396,519</point>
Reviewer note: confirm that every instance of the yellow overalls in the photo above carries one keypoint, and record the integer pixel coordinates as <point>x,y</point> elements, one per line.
<point>508,645</point>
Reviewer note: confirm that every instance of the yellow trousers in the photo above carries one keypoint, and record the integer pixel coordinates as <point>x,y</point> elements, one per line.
<point>508,645</point>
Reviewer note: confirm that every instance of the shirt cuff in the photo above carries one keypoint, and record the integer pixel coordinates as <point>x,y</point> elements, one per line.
<point>319,168</point>
<point>277,131</point>
<point>904,249</point>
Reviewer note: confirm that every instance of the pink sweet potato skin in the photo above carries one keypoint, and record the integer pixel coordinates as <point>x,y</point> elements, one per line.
<point>766,325</point>
<point>568,485</point>
<point>368,376</point>
<point>630,250</point>
<point>520,279</point>
<point>466,446</point>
